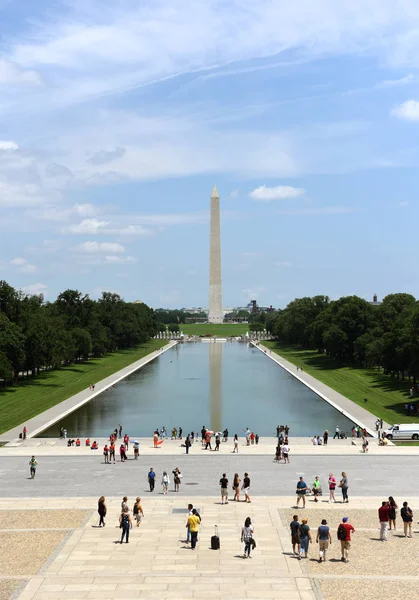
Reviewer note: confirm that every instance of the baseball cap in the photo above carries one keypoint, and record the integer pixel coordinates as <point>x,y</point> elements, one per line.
<point>344,520</point>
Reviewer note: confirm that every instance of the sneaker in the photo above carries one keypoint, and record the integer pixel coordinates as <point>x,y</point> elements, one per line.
<point>342,559</point>
<point>320,559</point>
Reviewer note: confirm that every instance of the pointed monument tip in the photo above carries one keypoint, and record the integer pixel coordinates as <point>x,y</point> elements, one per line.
<point>215,192</point>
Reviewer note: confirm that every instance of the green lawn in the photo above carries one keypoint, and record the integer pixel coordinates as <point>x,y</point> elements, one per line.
<point>386,396</point>
<point>33,396</point>
<point>221,330</point>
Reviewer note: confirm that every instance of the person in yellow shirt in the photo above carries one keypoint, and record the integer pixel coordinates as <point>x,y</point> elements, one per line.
<point>193,523</point>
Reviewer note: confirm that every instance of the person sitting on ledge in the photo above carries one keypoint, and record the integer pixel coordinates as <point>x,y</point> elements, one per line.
<point>88,442</point>
<point>70,443</point>
<point>78,442</point>
<point>94,446</point>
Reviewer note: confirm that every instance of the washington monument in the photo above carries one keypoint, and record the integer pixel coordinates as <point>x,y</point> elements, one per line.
<point>215,313</point>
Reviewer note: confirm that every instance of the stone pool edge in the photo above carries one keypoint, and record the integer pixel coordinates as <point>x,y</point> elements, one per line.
<point>38,424</point>
<point>355,413</point>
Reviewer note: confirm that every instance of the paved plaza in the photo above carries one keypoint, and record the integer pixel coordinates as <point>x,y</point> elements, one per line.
<point>60,553</point>
<point>82,476</point>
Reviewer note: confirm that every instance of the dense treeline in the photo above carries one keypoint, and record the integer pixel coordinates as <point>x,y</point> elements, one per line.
<point>355,331</point>
<point>36,335</point>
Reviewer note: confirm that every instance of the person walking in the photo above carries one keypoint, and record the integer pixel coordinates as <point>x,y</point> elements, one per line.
<point>165,482</point>
<point>295,534</point>
<point>305,539</point>
<point>224,489</point>
<point>188,534</point>
<point>125,523</point>
<point>33,463</point>
<point>392,512</point>
<point>246,487</point>
<point>325,437</point>
<point>247,537</point>
<point>316,488</point>
<point>332,487</point>
<point>188,443</point>
<point>344,535</point>
<point>207,440</point>
<point>383,517</point>
<point>101,509</point>
<point>120,431</point>
<point>137,511</point>
<point>217,442</point>
<point>177,476</point>
<point>236,443</point>
<point>193,527</point>
<point>406,514</point>
<point>112,453</point>
<point>301,491</point>
<point>151,479</point>
<point>285,451</point>
<point>343,484</point>
<point>236,487</point>
<point>124,504</point>
<point>323,538</point>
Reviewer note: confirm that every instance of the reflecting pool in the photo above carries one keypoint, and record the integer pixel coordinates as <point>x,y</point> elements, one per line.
<point>218,385</point>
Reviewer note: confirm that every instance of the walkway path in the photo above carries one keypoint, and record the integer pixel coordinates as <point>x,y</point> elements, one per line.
<point>88,476</point>
<point>49,417</point>
<point>356,413</point>
<point>156,563</point>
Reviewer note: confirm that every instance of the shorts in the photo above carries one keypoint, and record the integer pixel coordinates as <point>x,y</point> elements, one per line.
<point>285,455</point>
<point>246,490</point>
<point>224,493</point>
<point>295,539</point>
<point>323,545</point>
<point>345,544</point>
<point>138,518</point>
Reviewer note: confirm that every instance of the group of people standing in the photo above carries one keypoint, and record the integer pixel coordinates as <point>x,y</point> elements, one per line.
<point>303,489</point>
<point>165,480</point>
<point>245,487</point>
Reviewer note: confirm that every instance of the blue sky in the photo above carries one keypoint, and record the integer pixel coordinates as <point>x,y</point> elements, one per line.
<point>117,118</point>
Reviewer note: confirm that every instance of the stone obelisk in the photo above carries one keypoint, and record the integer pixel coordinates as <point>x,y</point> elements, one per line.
<point>215,313</point>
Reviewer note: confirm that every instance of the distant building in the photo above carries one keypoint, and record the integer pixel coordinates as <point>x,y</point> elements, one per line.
<point>375,301</point>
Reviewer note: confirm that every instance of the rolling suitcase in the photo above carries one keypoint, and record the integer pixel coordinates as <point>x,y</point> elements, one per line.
<point>215,540</point>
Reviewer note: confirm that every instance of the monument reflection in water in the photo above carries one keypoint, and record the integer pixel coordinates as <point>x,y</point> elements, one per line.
<point>214,384</point>
<point>216,390</point>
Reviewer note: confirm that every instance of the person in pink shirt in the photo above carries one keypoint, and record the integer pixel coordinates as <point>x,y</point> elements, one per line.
<point>332,487</point>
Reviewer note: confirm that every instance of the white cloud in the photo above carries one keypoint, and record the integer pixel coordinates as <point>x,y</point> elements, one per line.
<point>102,157</point>
<point>118,260</point>
<point>12,74</point>
<point>283,263</point>
<point>99,247</point>
<point>35,289</point>
<point>132,44</point>
<point>408,110</point>
<point>280,192</point>
<point>85,210</point>
<point>88,226</point>
<point>401,81</point>
<point>7,145</point>
<point>23,265</point>
<point>403,204</point>
<point>253,293</point>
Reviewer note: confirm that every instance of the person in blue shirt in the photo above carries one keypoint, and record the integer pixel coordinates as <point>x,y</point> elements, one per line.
<point>301,492</point>
<point>323,538</point>
<point>151,479</point>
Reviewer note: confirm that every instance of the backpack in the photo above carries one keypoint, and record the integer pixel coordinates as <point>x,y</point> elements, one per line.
<point>125,520</point>
<point>341,533</point>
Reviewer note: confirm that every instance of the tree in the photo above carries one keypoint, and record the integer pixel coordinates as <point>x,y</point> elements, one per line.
<point>174,327</point>
<point>82,343</point>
